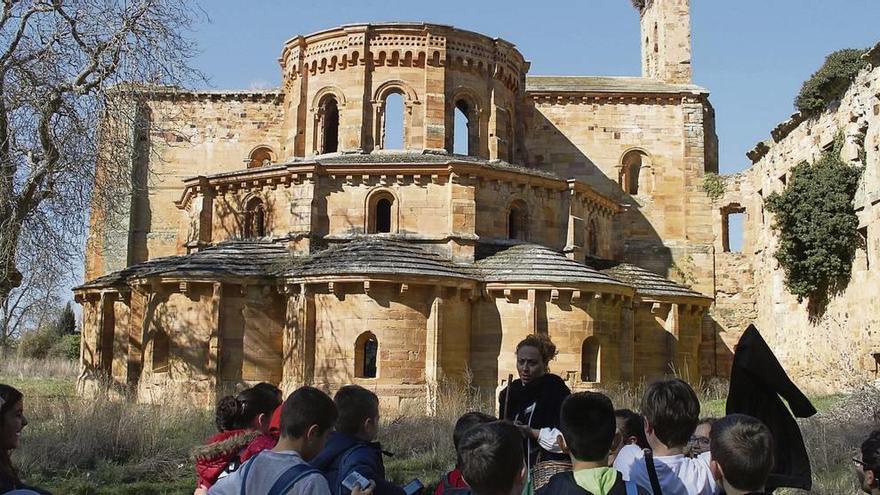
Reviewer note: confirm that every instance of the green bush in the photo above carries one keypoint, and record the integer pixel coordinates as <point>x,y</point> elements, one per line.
<point>831,81</point>
<point>37,343</point>
<point>66,348</point>
<point>713,184</point>
<point>817,225</point>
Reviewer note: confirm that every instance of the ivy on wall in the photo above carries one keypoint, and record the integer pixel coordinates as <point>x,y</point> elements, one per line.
<point>713,184</point>
<point>817,225</point>
<point>831,81</point>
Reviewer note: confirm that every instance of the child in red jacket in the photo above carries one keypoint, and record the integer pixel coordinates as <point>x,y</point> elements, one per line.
<point>243,422</point>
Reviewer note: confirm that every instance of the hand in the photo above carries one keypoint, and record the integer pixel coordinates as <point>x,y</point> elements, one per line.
<point>201,491</point>
<point>364,491</point>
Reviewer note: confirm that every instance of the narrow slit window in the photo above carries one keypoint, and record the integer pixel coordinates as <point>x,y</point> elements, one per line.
<point>394,122</point>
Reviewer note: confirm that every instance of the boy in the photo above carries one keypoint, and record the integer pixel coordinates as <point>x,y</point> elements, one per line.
<point>352,446</point>
<point>452,482</point>
<point>671,411</point>
<point>307,419</point>
<point>630,430</point>
<point>868,466</point>
<point>588,430</point>
<point>742,454</point>
<point>491,459</point>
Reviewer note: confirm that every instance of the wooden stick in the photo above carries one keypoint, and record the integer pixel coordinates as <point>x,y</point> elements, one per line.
<point>507,396</point>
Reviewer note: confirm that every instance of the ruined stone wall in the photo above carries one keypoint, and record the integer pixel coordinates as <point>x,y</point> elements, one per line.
<point>831,350</point>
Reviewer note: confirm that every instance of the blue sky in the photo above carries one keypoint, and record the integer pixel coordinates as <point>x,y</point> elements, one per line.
<point>752,55</point>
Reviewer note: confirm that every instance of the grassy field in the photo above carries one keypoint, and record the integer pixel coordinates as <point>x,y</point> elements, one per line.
<point>101,446</point>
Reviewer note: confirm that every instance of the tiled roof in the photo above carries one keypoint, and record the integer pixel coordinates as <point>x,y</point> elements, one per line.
<point>646,283</point>
<point>534,263</point>
<point>244,259</point>
<point>376,255</point>
<point>602,84</point>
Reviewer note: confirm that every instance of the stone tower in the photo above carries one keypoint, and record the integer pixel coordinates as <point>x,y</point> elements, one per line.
<point>666,49</point>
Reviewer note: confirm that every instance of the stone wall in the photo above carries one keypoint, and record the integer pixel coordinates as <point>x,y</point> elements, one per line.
<point>831,350</point>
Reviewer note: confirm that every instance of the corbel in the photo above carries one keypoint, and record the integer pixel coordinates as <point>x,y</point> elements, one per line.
<point>554,295</point>
<point>508,295</point>
<point>367,287</point>
<point>404,288</point>
<point>184,288</point>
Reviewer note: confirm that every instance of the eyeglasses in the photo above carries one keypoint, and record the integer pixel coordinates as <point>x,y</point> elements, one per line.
<point>700,440</point>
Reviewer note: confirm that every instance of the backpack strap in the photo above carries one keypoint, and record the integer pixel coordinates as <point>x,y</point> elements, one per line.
<point>652,472</point>
<point>245,472</point>
<point>289,478</point>
<point>631,488</point>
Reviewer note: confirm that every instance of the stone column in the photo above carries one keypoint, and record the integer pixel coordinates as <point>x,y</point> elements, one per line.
<point>139,299</point>
<point>433,350</point>
<point>627,340</point>
<point>214,341</point>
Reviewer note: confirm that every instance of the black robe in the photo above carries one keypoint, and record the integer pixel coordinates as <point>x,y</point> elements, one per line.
<point>547,393</point>
<point>756,382</point>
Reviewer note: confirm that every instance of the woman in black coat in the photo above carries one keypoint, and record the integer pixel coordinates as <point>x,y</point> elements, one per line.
<point>536,398</point>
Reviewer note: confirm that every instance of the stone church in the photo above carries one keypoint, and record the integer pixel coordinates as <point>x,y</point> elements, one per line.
<point>282,237</point>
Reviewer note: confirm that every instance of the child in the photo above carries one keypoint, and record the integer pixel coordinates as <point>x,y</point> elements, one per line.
<point>868,464</point>
<point>243,422</point>
<point>700,441</point>
<point>491,459</point>
<point>742,454</point>
<point>630,431</point>
<point>352,447</point>
<point>12,421</point>
<point>306,421</point>
<point>671,411</point>
<point>452,482</point>
<point>588,430</point>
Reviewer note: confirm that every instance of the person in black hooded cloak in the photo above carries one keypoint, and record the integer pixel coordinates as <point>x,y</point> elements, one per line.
<point>757,381</point>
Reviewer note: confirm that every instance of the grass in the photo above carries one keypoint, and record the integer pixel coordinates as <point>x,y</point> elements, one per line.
<point>103,446</point>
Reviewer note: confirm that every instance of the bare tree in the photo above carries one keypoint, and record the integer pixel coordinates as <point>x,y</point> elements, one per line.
<point>62,64</point>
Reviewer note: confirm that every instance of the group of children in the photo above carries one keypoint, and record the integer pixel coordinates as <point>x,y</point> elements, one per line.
<point>318,443</point>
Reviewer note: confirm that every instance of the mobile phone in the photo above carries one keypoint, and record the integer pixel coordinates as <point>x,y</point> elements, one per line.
<point>413,487</point>
<point>355,478</point>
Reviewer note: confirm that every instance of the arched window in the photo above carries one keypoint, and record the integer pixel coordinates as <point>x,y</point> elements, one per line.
<point>631,168</point>
<point>381,215</point>
<point>254,219</point>
<point>161,350</point>
<point>592,238</point>
<point>465,136</point>
<point>517,221</point>
<point>366,353</point>
<point>261,157</point>
<point>590,360</point>
<point>393,131</point>
<point>329,117</point>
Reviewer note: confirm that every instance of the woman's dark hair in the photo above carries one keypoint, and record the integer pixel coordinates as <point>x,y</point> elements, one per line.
<point>227,413</point>
<point>251,403</point>
<point>10,397</point>
<point>542,342</point>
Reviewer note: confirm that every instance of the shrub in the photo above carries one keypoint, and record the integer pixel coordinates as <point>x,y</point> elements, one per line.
<point>37,343</point>
<point>66,348</point>
<point>831,81</point>
<point>817,225</point>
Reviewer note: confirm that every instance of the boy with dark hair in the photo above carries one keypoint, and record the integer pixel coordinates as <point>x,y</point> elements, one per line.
<point>868,466</point>
<point>630,431</point>
<point>491,459</point>
<point>307,418</point>
<point>588,431</point>
<point>352,447</point>
<point>671,411</point>
<point>452,482</point>
<point>742,454</point>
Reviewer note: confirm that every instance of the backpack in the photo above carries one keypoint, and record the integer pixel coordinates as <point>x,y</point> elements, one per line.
<point>284,482</point>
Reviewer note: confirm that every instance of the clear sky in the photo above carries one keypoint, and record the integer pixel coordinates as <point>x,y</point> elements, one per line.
<point>752,55</point>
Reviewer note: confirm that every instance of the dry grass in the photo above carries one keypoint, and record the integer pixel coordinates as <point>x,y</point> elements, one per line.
<point>14,366</point>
